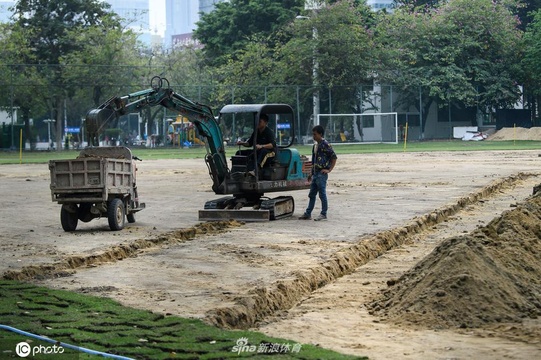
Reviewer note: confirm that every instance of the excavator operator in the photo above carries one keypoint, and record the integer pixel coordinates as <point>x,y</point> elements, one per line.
<point>265,144</point>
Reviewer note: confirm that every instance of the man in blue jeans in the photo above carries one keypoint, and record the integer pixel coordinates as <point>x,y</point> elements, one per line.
<point>323,161</point>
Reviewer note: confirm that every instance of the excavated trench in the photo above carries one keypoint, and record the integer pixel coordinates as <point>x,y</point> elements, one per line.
<point>70,264</point>
<point>264,301</point>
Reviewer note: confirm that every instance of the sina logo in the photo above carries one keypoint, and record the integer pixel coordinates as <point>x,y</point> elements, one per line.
<point>242,346</point>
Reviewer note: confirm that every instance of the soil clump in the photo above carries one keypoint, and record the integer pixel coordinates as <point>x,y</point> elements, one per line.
<point>519,133</point>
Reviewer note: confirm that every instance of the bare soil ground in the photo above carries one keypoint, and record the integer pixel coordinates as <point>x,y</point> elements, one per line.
<point>365,282</point>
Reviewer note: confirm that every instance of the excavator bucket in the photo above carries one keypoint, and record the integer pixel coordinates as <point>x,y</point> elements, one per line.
<point>228,214</point>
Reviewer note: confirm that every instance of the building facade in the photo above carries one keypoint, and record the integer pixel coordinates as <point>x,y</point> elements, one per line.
<point>180,18</point>
<point>136,14</point>
<point>378,5</point>
<point>207,6</point>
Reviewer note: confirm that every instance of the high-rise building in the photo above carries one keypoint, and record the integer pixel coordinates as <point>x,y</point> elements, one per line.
<point>5,13</point>
<point>136,13</point>
<point>207,6</point>
<point>180,18</point>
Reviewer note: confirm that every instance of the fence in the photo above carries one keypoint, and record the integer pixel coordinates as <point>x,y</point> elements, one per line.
<point>68,92</point>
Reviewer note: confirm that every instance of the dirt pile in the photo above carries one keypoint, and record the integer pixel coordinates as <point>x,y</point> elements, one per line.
<point>488,277</point>
<point>518,133</point>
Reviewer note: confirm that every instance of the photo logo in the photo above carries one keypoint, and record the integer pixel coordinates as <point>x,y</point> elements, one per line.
<point>23,349</point>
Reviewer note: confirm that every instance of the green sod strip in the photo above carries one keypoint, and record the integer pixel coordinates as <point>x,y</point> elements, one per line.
<point>104,325</point>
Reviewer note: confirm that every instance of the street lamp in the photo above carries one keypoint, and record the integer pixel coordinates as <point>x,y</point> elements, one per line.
<point>83,132</point>
<point>315,67</point>
<point>49,121</point>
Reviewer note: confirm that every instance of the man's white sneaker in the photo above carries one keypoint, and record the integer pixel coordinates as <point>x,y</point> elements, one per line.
<point>321,218</point>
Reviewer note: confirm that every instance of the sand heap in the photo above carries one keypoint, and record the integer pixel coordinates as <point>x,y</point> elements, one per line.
<point>490,276</point>
<point>518,133</point>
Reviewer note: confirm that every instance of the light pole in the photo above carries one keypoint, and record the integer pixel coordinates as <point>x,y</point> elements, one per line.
<point>83,132</point>
<point>49,121</point>
<point>315,67</point>
<point>11,112</point>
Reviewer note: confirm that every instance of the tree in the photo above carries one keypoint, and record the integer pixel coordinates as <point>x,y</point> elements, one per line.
<point>252,68</point>
<point>14,73</point>
<point>526,12</point>
<point>338,40</point>
<point>106,58</point>
<point>531,62</point>
<point>186,67</point>
<point>334,48</point>
<point>46,25</point>
<point>416,3</point>
<point>232,24</point>
<point>461,52</point>
<point>523,9</point>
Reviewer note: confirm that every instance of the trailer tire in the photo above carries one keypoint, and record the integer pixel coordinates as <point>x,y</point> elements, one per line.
<point>68,219</point>
<point>116,214</point>
<point>131,218</point>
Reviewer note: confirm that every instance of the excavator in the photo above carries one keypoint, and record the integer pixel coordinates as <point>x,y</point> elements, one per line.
<point>245,198</point>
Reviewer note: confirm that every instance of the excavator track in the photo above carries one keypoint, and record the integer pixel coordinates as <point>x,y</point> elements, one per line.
<point>269,209</point>
<point>280,207</point>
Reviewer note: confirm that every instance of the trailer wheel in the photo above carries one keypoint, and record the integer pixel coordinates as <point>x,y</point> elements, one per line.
<point>131,218</point>
<point>68,219</point>
<point>116,214</point>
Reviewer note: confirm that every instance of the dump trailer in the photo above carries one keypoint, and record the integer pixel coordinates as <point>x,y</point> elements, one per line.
<point>100,182</point>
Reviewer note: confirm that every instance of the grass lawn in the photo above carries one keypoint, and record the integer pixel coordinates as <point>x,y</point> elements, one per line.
<point>101,324</point>
<point>13,157</point>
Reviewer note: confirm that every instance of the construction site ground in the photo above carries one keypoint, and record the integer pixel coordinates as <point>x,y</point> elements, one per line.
<point>341,283</point>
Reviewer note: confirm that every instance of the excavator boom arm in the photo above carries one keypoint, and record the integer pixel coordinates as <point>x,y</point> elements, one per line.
<point>200,115</point>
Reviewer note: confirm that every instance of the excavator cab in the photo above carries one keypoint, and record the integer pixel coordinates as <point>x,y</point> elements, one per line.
<point>238,122</point>
<point>285,170</point>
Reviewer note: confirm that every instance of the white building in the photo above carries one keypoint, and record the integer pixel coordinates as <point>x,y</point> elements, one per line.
<point>378,5</point>
<point>5,116</point>
<point>207,6</point>
<point>180,18</point>
<point>136,13</point>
